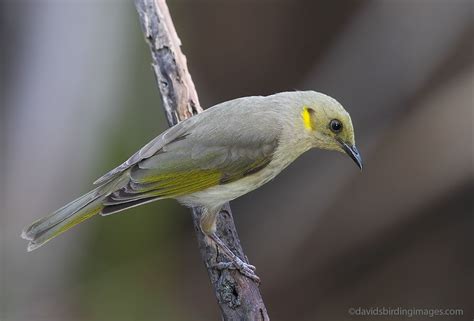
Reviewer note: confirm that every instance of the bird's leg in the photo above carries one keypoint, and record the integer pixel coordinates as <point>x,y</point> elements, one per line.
<point>208,227</point>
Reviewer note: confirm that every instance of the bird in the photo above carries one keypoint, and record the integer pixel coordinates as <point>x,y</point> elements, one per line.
<point>214,157</point>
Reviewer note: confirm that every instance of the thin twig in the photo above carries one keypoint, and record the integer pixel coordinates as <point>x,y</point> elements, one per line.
<point>238,297</point>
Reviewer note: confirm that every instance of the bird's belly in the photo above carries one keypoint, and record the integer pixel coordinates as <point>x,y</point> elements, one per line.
<point>220,194</point>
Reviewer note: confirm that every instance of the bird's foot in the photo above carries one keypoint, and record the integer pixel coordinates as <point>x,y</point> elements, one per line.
<point>234,263</point>
<point>245,269</point>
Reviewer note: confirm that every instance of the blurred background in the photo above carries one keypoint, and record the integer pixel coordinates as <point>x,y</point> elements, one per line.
<point>78,97</point>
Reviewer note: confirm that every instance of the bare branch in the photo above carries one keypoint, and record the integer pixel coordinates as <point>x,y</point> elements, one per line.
<point>238,297</point>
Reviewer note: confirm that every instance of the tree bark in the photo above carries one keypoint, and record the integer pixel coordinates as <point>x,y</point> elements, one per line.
<point>238,297</point>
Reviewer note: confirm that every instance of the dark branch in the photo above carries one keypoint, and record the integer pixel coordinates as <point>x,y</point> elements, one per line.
<point>238,297</point>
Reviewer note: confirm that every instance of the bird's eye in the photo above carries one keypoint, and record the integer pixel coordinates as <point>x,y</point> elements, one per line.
<point>335,125</point>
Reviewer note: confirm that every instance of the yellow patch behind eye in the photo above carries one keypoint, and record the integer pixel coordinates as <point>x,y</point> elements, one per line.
<point>307,121</point>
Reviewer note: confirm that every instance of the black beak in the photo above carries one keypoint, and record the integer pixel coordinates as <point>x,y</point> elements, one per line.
<point>353,153</point>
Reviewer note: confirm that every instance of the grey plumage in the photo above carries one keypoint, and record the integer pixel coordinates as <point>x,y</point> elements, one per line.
<point>236,126</point>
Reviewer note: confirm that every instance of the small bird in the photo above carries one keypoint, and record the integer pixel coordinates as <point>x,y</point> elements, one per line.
<point>214,157</point>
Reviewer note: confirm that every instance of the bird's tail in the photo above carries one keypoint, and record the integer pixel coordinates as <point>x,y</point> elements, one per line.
<point>64,218</point>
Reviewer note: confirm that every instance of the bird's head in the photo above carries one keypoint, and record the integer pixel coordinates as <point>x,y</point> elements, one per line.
<point>329,125</point>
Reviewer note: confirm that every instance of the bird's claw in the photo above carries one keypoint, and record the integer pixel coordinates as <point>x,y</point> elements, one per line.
<point>245,269</point>
<point>233,266</point>
<point>249,271</point>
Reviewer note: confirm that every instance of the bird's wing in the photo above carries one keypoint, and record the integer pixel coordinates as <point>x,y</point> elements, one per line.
<point>186,166</point>
<point>221,145</point>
